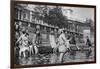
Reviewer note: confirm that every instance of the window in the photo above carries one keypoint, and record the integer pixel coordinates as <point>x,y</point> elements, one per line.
<point>16,13</point>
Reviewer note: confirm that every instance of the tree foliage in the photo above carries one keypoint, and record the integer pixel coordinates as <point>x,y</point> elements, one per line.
<point>53,16</point>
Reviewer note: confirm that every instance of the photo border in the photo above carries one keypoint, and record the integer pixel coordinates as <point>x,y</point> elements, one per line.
<point>13,3</point>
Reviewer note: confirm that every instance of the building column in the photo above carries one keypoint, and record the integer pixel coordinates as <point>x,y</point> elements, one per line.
<point>20,23</point>
<point>55,30</point>
<point>77,28</point>
<point>21,14</point>
<point>18,14</point>
<point>45,28</point>
<point>74,27</point>
<point>28,15</point>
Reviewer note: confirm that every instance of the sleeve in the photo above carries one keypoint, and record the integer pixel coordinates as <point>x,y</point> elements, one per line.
<point>20,38</point>
<point>64,39</point>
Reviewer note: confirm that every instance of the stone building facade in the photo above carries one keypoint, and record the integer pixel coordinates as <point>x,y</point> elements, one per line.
<point>25,17</point>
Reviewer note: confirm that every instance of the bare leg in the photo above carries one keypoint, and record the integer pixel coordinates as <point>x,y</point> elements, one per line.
<point>20,53</point>
<point>36,49</point>
<point>32,51</point>
<point>24,54</point>
<point>60,57</point>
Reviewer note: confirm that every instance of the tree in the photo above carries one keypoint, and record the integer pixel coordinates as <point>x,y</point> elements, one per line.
<point>40,11</point>
<point>55,17</point>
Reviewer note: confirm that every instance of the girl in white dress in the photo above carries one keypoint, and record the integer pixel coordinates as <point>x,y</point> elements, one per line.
<point>62,44</point>
<point>23,39</point>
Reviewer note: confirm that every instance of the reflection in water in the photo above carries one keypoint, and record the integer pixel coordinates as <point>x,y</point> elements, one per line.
<point>53,59</point>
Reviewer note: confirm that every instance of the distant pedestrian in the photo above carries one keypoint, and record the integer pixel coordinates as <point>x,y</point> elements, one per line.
<point>89,45</point>
<point>88,42</point>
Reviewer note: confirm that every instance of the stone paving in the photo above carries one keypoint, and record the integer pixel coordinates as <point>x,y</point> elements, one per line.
<point>53,58</point>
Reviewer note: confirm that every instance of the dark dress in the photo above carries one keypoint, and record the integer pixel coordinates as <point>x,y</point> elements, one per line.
<point>88,43</point>
<point>89,51</point>
<point>38,38</point>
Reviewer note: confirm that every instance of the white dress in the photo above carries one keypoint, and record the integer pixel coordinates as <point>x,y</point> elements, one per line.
<point>62,43</point>
<point>52,41</point>
<point>68,44</point>
<point>23,40</point>
<point>34,39</point>
<point>24,46</point>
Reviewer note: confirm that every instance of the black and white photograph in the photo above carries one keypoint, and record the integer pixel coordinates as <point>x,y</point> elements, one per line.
<point>53,34</point>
